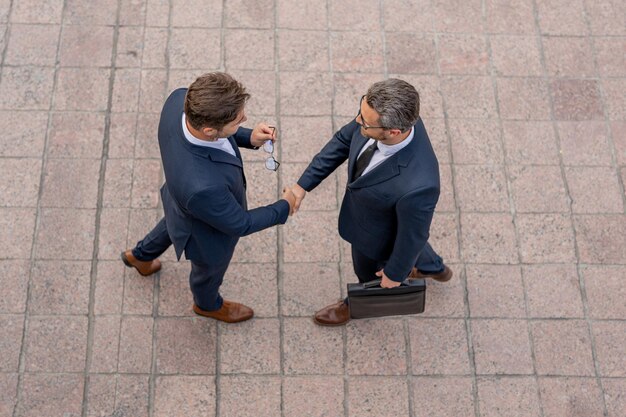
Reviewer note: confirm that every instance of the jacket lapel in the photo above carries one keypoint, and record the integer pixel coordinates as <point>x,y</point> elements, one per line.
<point>357,144</point>
<point>387,169</point>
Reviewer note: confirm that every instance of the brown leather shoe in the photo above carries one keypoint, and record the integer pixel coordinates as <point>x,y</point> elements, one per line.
<point>231,312</point>
<point>333,315</point>
<point>144,268</point>
<point>443,276</point>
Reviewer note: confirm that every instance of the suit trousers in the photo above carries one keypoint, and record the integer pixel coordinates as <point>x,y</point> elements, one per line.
<point>204,280</point>
<point>365,268</point>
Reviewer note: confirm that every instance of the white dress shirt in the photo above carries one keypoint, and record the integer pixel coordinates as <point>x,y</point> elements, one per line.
<point>384,151</point>
<point>223,144</point>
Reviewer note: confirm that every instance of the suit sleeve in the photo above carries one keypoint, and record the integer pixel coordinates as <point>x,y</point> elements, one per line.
<point>218,207</point>
<point>333,154</point>
<point>415,213</point>
<point>242,137</point>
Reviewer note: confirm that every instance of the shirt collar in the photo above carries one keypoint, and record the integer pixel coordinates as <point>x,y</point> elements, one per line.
<point>389,150</point>
<point>218,143</point>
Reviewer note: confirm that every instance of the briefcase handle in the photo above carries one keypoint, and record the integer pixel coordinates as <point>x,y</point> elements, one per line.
<point>377,282</point>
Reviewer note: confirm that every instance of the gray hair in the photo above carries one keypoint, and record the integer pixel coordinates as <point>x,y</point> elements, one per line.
<point>396,101</point>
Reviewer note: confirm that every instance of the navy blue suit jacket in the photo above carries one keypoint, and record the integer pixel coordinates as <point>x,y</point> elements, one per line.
<point>204,195</point>
<point>386,213</point>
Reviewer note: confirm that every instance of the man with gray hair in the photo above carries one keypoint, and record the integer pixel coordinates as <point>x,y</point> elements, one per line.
<point>392,190</point>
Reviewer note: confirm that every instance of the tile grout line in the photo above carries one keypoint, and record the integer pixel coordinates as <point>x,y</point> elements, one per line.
<point>218,351</point>
<point>615,167</point>
<point>344,332</point>
<point>99,208</point>
<point>33,251</point>
<point>405,320</point>
<point>459,229</point>
<point>570,201</point>
<point>493,74</point>
<point>279,232</point>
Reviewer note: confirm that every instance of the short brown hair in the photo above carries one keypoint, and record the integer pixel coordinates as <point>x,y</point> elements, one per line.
<point>214,100</point>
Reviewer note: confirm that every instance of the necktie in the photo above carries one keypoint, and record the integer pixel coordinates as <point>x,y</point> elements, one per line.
<point>365,159</point>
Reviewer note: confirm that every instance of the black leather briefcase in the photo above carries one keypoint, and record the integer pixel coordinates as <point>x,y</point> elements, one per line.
<point>371,300</point>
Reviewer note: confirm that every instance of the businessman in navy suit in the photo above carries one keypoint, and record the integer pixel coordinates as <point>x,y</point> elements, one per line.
<point>392,191</point>
<point>204,195</point>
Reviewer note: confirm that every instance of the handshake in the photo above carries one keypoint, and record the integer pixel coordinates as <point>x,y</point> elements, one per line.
<point>294,196</point>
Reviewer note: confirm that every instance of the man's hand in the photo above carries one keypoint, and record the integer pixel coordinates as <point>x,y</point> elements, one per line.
<point>385,282</point>
<point>262,133</point>
<point>291,199</point>
<point>300,193</point>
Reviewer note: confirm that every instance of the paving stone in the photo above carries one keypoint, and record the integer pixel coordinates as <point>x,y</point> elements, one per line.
<point>328,392</point>
<point>481,188</point>
<point>610,351</point>
<point>303,50</point>
<point>515,55</point>
<point>118,394</point>
<point>14,277</point>
<point>18,226</point>
<point>8,393</point>
<point>502,16</point>
<point>601,238</point>
<point>60,287</point>
<point>86,46</point>
<point>311,14</point>
<point>401,58</point>
<point>20,188</point>
<point>439,347</point>
<point>546,238</point>
<point>186,346</point>
<point>553,291</point>
<point>376,347</point>
<point>191,13</point>
<point>463,54</point>
<point>614,396</point>
<point>356,51</point>
<point>592,135</point>
<point>186,395</point>
<point>12,328</point>
<point>495,291</point>
<point>391,394</point>
<point>515,397</point>
<point>501,347</point>
<point>587,197</point>
<point>306,288</point>
<point>447,396</point>
<point>239,356</point>
<point>26,88</point>
<point>32,45</point>
<point>551,197</point>
<point>309,349</point>
<point>56,344</point>
<point>523,99</point>
<point>249,49</point>
<point>562,17</point>
<point>250,396</point>
<point>50,395</point>
<point>605,292</point>
<point>561,396</point>
<point>562,348</point>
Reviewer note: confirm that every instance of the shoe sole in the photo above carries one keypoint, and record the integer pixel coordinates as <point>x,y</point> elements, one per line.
<point>199,313</point>
<point>128,264</point>
<point>329,324</point>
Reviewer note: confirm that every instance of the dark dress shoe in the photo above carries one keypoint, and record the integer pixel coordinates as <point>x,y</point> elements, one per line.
<point>231,312</point>
<point>442,276</point>
<point>333,315</point>
<point>145,268</point>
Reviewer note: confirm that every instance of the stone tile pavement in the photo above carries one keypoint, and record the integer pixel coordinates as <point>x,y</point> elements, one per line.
<point>525,104</point>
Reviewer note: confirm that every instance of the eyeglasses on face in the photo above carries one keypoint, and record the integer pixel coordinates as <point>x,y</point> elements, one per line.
<point>270,163</point>
<point>359,119</point>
